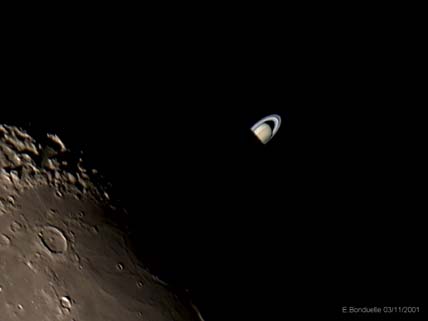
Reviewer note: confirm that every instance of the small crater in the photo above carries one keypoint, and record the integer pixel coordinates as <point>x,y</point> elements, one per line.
<point>65,302</point>
<point>57,145</point>
<point>119,266</point>
<point>4,240</point>
<point>53,239</point>
<point>140,284</point>
<point>15,226</point>
<point>11,200</point>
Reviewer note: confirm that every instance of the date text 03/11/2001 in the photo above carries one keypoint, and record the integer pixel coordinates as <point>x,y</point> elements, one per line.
<point>385,309</point>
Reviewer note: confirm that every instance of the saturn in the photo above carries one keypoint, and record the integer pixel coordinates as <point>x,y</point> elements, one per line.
<point>263,128</point>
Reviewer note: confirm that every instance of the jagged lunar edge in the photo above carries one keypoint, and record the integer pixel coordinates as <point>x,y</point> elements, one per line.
<point>18,166</point>
<point>25,164</point>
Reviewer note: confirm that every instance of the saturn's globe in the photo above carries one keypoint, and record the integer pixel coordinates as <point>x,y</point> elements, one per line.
<point>263,133</point>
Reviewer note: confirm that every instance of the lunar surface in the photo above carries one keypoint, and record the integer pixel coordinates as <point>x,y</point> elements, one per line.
<point>64,251</point>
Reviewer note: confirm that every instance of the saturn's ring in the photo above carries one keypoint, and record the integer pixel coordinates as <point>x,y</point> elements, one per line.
<point>276,119</point>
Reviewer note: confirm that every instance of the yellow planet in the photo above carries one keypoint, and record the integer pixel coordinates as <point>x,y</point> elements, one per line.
<point>264,131</point>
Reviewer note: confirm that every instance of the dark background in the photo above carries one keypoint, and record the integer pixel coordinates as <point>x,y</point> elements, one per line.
<point>328,214</point>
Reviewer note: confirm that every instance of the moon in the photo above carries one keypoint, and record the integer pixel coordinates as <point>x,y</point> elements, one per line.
<point>65,252</point>
<point>263,131</point>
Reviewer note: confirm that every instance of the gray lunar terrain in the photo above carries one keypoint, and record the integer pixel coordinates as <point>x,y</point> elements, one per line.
<point>64,253</point>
